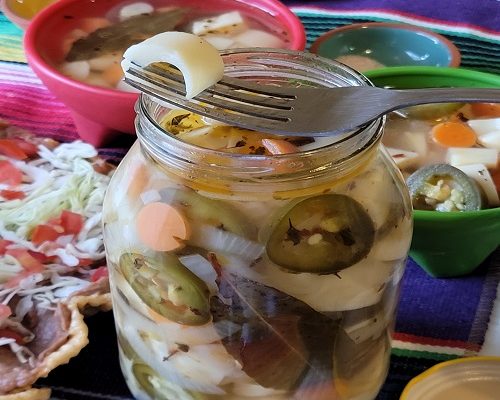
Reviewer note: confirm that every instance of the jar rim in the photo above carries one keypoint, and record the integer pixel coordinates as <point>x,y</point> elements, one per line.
<point>267,61</point>
<point>276,64</point>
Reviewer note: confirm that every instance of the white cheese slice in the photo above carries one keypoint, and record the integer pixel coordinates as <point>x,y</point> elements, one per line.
<point>482,177</point>
<point>199,62</point>
<point>228,24</point>
<point>461,156</point>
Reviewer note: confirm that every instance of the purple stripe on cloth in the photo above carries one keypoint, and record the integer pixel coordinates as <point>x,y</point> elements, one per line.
<point>466,303</point>
<point>482,14</point>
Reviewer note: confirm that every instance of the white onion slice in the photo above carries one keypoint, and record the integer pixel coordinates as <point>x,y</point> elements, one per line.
<point>215,239</point>
<point>203,269</point>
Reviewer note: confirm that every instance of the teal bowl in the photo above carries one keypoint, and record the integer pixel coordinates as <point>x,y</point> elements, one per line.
<point>367,46</point>
<point>447,244</point>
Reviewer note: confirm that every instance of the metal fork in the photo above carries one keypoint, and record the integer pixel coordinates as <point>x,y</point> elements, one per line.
<point>291,111</point>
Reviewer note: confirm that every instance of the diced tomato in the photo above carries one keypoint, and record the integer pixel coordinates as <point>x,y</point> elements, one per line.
<point>71,222</point>
<point>12,194</point>
<point>9,174</point>
<point>85,262</point>
<point>11,148</point>
<point>98,273</point>
<point>29,263</point>
<point>29,148</point>
<point>42,257</point>
<point>3,245</point>
<point>5,311</point>
<point>44,232</point>
<point>9,333</point>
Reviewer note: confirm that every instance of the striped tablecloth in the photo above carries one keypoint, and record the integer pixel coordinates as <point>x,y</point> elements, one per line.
<point>438,319</point>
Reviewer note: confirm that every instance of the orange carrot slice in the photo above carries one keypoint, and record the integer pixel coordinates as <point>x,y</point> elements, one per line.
<point>92,24</point>
<point>138,181</point>
<point>113,74</point>
<point>279,146</point>
<point>491,110</point>
<point>454,134</point>
<point>161,227</point>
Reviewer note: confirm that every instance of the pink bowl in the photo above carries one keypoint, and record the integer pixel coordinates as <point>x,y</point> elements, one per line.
<point>99,113</point>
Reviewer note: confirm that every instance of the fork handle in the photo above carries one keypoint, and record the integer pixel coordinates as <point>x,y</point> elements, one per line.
<point>413,97</point>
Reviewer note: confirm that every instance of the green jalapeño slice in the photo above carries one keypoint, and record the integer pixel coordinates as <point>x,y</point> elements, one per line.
<point>322,234</point>
<point>168,287</point>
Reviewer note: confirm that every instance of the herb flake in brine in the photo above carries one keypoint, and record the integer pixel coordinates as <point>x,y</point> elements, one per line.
<point>124,34</point>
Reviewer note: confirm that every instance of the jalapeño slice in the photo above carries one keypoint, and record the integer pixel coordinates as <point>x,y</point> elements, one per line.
<point>322,234</point>
<point>441,187</point>
<point>158,388</point>
<point>168,287</point>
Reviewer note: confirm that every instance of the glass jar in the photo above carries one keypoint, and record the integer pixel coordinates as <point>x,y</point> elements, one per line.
<point>255,276</point>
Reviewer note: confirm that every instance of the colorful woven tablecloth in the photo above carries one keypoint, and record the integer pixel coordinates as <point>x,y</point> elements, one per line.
<point>438,319</point>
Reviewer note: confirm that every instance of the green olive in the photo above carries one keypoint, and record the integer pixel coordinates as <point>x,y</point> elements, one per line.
<point>322,234</point>
<point>432,111</point>
<point>199,210</point>
<point>168,287</point>
<point>158,388</point>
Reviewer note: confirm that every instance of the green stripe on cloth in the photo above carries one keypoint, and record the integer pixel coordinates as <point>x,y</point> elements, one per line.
<point>11,41</point>
<point>423,354</point>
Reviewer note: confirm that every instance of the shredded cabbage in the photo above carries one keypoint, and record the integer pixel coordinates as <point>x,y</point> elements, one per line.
<point>62,178</point>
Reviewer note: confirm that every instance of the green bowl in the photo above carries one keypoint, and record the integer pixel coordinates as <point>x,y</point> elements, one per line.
<point>454,243</point>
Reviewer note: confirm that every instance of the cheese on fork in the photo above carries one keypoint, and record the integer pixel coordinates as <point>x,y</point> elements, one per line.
<point>199,62</point>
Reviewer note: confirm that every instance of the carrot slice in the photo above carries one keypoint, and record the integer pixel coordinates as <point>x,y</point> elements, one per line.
<point>138,181</point>
<point>485,109</point>
<point>279,146</point>
<point>113,74</point>
<point>454,134</point>
<point>161,227</point>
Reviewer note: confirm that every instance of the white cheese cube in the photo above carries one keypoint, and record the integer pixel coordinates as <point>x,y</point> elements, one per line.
<point>490,140</point>
<point>78,70</point>
<point>228,23</point>
<point>482,126</point>
<point>462,156</point>
<point>131,10</point>
<point>403,158</point>
<point>258,38</point>
<point>219,42</point>
<point>482,177</point>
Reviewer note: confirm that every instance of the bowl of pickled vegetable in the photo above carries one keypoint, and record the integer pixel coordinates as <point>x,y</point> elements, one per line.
<point>448,154</point>
<point>76,46</point>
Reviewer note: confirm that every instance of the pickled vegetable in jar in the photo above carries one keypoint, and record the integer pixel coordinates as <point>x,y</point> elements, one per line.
<point>251,266</point>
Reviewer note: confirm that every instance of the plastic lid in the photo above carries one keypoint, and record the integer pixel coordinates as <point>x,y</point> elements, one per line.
<point>467,378</point>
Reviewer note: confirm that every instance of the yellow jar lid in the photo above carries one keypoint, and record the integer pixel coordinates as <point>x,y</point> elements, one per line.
<point>466,378</point>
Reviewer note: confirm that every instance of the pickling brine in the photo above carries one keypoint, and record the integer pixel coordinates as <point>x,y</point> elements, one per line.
<point>249,266</point>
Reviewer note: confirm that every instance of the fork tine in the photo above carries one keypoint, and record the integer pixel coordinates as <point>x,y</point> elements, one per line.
<point>227,85</point>
<point>163,88</point>
<point>257,122</point>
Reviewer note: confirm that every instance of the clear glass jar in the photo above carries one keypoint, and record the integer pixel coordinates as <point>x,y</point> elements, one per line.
<point>274,277</point>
